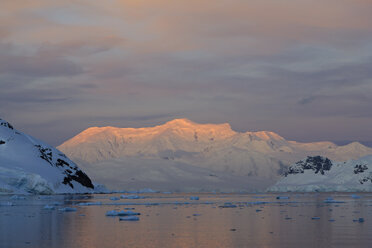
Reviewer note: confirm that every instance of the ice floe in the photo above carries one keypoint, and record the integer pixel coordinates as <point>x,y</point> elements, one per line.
<point>129,218</point>
<point>68,209</point>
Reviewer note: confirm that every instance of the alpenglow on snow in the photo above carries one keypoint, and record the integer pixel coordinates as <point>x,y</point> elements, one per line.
<point>28,165</point>
<point>182,155</point>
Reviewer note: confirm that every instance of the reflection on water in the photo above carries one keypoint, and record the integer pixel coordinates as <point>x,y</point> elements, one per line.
<point>172,220</point>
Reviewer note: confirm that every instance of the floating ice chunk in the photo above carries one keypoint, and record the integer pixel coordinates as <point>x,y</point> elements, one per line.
<point>257,202</point>
<point>282,197</point>
<point>315,218</point>
<point>17,197</point>
<point>129,218</point>
<point>49,207</point>
<point>121,213</point>
<point>228,205</point>
<point>360,220</point>
<point>355,196</point>
<point>196,214</point>
<point>331,220</point>
<point>112,213</point>
<point>6,204</point>
<point>90,203</point>
<point>114,198</point>
<point>258,210</point>
<point>129,213</point>
<point>194,198</point>
<point>331,200</point>
<point>130,197</point>
<point>68,209</point>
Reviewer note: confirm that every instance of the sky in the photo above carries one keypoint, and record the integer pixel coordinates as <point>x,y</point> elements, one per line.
<point>301,68</point>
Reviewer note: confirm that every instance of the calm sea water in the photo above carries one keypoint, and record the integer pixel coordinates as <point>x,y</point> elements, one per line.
<point>173,220</point>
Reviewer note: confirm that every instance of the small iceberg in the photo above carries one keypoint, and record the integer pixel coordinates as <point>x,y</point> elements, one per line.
<point>17,197</point>
<point>282,197</point>
<point>315,218</point>
<point>121,213</point>
<point>49,207</point>
<point>90,203</point>
<point>194,198</point>
<point>228,205</point>
<point>360,220</point>
<point>6,204</point>
<point>130,197</point>
<point>68,209</point>
<point>129,218</point>
<point>331,200</point>
<point>356,196</point>
<point>114,198</point>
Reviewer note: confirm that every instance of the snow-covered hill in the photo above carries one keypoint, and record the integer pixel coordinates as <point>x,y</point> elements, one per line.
<point>321,174</point>
<point>212,147</point>
<point>28,165</point>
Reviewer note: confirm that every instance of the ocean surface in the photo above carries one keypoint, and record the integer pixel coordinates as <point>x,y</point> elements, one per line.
<point>174,220</point>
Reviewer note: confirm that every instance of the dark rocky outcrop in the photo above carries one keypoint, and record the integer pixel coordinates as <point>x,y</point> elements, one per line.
<point>360,168</point>
<point>315,163</point>
<point>6,124</point>
<point>72,172</point>
<point>79,177</point>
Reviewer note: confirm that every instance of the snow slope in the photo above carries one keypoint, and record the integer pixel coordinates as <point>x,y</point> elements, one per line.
<point>167,175</point>
<point>321,174</point>
<point>212,147</point>
<point>28,165</point>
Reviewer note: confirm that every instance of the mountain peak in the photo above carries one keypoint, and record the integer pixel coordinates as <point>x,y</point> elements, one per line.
<point>180,122</point>
<point>184,122</point>
<point>5,124</point>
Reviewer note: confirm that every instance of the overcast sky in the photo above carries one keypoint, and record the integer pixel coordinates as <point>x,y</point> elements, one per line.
<point>301,68</point>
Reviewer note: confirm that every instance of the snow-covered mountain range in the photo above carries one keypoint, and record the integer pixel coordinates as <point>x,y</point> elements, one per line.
<point>183,155</point>
<point>28,165</point>
<point>321,174</point>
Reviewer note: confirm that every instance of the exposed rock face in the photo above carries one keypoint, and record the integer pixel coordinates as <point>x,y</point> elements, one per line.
<point>315,163</point>
<point>360,168</point>
<point>72,172</point>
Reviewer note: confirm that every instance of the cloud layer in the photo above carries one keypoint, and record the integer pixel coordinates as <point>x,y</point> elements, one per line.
<point>300,68</point>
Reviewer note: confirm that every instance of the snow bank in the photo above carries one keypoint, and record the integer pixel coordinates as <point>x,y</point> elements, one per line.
<point>318,174</point>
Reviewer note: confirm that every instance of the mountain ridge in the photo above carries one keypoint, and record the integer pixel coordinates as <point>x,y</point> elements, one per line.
<point>212,147</point>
